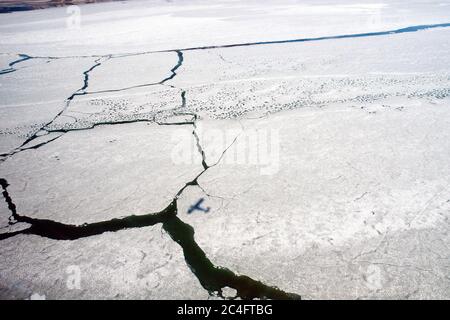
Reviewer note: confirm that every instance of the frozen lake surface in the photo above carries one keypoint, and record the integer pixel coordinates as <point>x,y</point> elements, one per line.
<point>317,135</point>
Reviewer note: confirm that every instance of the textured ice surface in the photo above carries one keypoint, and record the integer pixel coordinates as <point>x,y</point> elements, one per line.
<point>231,82</point>
<point>324,163</point>
<point>130,71</point>
<point>138,264</point>
<point>34,94</point>
<point>116,171</point>
<point>326,214</point>
<point>154,103</point>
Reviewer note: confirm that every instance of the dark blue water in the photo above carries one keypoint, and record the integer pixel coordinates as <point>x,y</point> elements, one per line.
<point>344,36</point>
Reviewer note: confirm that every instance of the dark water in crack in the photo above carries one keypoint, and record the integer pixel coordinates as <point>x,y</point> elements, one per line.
<point>23,57</point>
<point>211,277</point>
<point>336,37</point>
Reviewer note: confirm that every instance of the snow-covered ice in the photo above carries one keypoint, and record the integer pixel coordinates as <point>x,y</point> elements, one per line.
<point>318,135</point>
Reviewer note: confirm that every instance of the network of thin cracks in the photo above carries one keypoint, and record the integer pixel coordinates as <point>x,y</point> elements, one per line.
<point>82,91</point>
<point>213,278</point>
<point>45,129</point>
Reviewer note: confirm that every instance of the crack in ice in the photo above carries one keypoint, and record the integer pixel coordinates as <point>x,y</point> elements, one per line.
<point>42,129</point>
<point>409,29</point>
<point>212,278</point>
<point>162,82</point>
<point>23,57</point>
